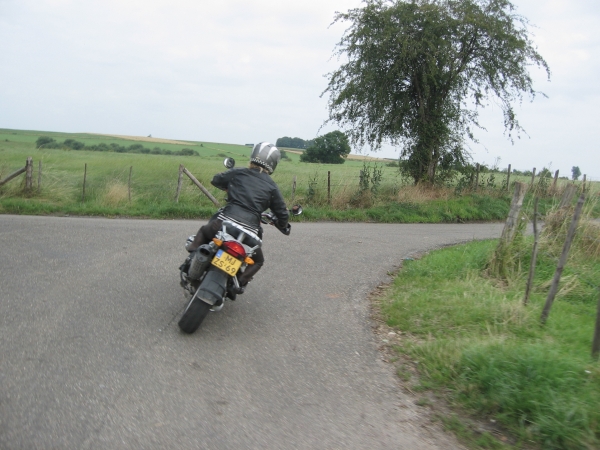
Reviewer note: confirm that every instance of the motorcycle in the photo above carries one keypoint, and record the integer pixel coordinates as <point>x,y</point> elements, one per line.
<point>210,274</point>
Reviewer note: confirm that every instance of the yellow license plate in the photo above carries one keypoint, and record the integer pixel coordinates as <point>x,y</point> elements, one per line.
<point>226,262</point>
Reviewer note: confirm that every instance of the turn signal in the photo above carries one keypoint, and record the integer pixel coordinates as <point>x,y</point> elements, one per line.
<point>248,260</point>
<point>218,242</point>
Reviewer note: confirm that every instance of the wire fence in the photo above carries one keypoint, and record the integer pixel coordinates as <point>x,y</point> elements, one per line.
<point>339,186</point>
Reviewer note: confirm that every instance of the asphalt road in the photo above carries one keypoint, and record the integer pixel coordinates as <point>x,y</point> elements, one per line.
<point>92,357</point>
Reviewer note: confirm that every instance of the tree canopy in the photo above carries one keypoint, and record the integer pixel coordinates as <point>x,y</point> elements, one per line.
<point>417,72</point>
<point>331,148</point>
<point>576,172</point>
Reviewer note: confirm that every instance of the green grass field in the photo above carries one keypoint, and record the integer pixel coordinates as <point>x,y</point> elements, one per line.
<point>154,184</point>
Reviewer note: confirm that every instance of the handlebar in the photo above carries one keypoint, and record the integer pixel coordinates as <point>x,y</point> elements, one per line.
<point>269,218</point>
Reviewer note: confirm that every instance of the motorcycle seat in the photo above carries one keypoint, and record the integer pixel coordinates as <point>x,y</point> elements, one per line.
<point>251,239</point>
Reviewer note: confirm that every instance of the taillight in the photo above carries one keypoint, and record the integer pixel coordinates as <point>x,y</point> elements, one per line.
<point>235,249</point>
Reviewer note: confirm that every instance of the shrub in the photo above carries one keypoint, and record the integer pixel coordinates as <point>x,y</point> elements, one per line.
<point>73,144</point>
<point>187,152</point>
<point>44,141</point>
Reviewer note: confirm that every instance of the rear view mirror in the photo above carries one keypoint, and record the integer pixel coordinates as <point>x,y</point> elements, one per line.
<point>296,210</point>
<point>229,163</point>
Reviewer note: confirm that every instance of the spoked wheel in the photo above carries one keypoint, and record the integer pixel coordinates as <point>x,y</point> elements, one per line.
<point>193,315</point>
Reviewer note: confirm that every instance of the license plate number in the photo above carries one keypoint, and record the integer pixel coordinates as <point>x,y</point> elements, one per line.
<point>226,262</point>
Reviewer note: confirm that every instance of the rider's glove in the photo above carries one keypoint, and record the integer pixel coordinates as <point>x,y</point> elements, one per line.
<point>285,230</point>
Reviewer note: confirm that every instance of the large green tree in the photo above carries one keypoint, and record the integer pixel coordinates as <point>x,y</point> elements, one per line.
<point>416,73</point>
<point>331,148</point>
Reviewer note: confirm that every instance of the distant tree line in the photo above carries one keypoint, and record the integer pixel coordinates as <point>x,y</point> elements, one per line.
<point>295,142</point>
<point>72,144</point>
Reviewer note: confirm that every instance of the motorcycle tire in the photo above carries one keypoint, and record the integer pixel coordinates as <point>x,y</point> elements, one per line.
<point>193,315</point>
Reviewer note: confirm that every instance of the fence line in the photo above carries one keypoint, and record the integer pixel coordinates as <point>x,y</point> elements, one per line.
<point>28,170</point>
<point>321,186</point>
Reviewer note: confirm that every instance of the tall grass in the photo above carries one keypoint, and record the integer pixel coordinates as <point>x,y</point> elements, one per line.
<point>478,344</point>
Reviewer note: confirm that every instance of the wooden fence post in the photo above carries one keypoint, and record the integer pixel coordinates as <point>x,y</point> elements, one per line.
<point>596,341</point>
<point>328,186</point>
<point>202,188</point>
<point>567,197</point>
<point>533,177</point>
<point>293,189</point>
<point>29,173</point>
<point>499,261</point>
<point>536,237</point>
<point>508,179</point>
<point>40,176</point>
<point>84,177</point>
<point>477,178</point>
<point>129,183</point>
<point>563,260</point>
<point>583,186</point>
<point>13,175</point>
<point>513,216</point>
<point>179,181</point>
<point>554,182</point>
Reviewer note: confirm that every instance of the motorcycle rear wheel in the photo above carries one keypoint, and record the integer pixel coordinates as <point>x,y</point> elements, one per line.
<point>193,316</point>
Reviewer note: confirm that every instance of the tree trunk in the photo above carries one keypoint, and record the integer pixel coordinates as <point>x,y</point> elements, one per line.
<point>431,171</point>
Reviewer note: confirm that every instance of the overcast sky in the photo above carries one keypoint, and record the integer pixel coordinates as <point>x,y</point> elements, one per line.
<point>246,71</point>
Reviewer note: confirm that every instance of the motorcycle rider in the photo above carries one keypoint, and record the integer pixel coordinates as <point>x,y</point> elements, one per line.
<point>250,191</point>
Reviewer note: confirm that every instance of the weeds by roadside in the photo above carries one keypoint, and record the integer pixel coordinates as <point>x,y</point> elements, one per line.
<point>480,347</point>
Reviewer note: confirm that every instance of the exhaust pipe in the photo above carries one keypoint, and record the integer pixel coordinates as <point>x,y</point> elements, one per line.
<point>200,262</point>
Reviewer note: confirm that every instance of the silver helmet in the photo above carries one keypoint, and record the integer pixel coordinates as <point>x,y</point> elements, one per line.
<point>266,156</point>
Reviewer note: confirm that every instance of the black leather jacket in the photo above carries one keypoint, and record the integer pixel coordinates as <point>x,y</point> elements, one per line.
<point>250,192</point>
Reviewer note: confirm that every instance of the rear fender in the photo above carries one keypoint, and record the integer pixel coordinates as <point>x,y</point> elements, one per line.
<point>213,286</point>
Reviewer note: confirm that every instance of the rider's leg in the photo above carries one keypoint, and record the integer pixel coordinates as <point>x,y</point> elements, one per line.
<point>251,270</point>
<point>205,234</point>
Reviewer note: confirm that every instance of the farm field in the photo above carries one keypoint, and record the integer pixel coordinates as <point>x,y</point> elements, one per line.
<point>382,196</point>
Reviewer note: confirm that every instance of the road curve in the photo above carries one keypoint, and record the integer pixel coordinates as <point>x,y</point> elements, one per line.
<point>92,357</point>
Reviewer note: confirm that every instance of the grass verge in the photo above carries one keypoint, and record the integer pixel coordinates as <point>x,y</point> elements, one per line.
<point>477,345</point>
<point>113,202</point>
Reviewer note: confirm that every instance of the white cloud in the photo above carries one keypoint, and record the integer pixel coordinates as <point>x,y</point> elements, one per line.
<point>238,71</point>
